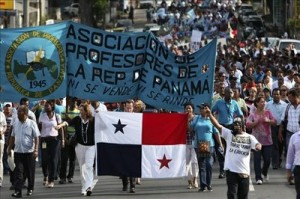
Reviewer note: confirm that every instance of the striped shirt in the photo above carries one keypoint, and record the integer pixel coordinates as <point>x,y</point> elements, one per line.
<point>293,118</point>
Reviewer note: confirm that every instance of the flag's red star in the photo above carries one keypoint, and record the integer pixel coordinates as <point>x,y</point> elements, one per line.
<point>164,162</point>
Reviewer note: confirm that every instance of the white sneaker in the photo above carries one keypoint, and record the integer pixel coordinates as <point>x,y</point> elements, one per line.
<point>196,184</point>
<point>259,182</point>
<point>266,178</point>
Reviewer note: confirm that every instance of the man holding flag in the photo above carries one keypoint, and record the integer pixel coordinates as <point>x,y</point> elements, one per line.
<point>147,145</point>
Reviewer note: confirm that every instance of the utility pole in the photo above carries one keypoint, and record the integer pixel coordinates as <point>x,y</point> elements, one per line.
<point>25,13</point>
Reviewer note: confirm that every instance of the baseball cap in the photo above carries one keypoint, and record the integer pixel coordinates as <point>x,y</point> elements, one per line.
<point>202,105</point>
<point>238,121</point>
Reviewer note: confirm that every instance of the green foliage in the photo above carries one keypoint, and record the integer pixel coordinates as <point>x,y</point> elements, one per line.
<point>294,23</point>
<point>101,5</point>
<point>99,8</point>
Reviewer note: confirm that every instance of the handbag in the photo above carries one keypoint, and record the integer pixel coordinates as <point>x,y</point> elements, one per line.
<point>61,132</point>
<point>204,148</point>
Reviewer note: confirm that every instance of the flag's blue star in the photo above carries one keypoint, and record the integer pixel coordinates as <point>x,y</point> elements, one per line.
<point>119,126</point>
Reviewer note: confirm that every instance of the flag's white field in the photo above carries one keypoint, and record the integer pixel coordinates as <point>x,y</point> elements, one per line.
<point>106,130</point>
<point>115,130</point>
<point>151,166</point>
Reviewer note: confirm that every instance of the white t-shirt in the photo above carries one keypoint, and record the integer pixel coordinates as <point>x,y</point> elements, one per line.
<point>48,125</point>
<point>238,151</point>
<point>2,125</point>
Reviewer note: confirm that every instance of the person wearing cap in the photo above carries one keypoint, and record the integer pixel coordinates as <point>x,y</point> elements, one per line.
<point>205,131</point>
<point>226,109</point>
<point>237,159</point>
<point>2,131</point>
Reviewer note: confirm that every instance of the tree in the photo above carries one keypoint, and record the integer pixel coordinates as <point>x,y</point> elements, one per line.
<point>92,12</point>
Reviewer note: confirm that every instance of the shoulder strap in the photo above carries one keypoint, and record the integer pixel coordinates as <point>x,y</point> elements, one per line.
<point>286,111</point>
<point>56,118</point>
<point>196,122</point>
<point>195,126</point>
<point>62,132</point>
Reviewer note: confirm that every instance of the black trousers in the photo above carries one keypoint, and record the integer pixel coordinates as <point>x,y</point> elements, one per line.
<point>50,157</point>
<point>25,163</point>
<point>131,181</point>
<point>297,180</point>
<point>67,154</point>
<point>238,187</point>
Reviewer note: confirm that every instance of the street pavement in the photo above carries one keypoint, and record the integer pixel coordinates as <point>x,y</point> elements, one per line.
<point>110,187</point>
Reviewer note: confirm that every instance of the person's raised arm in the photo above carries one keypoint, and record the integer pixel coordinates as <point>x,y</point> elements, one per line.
<point>213,120</point>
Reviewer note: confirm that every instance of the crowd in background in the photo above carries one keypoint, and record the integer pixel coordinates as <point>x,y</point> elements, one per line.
<point>252,80</point>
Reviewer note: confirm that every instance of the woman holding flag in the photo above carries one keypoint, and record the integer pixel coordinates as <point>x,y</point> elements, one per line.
<point>85,149</point>
<point>191,157</point>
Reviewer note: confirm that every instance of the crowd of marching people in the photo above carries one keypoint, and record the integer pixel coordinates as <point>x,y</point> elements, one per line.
<point>244,109</point>
<point>256,104</point>
<point>248,101</point>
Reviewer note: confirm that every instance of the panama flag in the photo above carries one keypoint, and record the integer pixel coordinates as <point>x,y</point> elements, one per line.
<point>147,145</point>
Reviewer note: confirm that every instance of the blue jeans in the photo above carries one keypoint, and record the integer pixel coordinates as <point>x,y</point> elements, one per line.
<point>205,168</point>
<point>265,153</point>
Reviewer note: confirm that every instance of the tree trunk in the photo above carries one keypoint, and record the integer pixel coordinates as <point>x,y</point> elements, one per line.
<point>85,12</point>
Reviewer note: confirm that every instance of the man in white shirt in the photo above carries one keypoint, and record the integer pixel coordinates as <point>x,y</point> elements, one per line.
<point>237,159</point>
<point>24,101</point>
<point>25,139</point>
<point>276,107</point>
